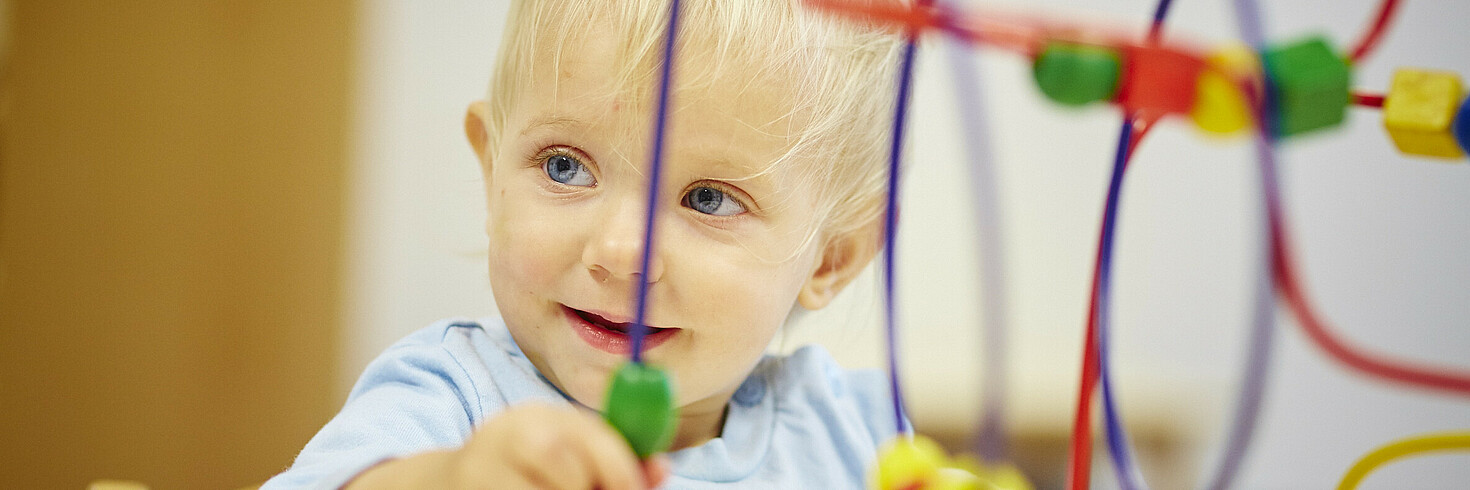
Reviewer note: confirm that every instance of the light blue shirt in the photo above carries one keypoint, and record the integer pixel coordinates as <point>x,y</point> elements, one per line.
<point>798,421</point>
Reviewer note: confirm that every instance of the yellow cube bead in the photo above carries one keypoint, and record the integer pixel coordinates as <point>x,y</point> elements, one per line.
<point>1419,109</point>
<point>1220,107</point>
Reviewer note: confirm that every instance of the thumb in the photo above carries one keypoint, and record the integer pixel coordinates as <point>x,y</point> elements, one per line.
<point>657,469</point>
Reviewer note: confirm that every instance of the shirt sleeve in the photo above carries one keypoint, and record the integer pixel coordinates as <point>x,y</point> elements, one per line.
<point>413,398</point>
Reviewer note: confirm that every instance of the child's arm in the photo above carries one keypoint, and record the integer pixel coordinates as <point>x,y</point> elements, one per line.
<point>531,446</point>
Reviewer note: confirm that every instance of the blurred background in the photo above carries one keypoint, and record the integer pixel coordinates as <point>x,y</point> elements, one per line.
<point>213,214</point>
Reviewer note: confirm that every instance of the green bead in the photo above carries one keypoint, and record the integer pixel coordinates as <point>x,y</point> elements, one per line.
<point>640,404</point>
<point>1075,74</point>
<point>1310,83</point>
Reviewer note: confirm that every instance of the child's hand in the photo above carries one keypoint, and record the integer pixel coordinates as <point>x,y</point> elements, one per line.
<point>530,446</point>
<point>539,446</point>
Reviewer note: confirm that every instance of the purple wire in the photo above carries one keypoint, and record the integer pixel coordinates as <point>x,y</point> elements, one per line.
<point>1258,357</point>
<point>660,125</point>
<point>1252,30</point>
<point>1248,403</point>
<point>1249,396</point>
<point>992,441</point>
<point>890,230</point>
<point>1127,473</point>
<point>1160,12</point>
<point>1117,438</point>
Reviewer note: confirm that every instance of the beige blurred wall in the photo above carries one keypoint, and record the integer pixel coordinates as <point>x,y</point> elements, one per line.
<point>171,209</point>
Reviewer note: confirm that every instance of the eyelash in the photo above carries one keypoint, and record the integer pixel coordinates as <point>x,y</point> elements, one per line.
<point>538,159</point>
<point>730,191</point>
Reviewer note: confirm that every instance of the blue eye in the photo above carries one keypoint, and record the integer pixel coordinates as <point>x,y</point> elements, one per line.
<point>567,170</point>
<point>709,200</point>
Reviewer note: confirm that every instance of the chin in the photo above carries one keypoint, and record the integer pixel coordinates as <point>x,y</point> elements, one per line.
<point>589,390</point>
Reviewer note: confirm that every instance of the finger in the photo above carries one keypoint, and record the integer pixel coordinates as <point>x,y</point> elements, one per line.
<point>546,453</point>
<point>657,469</point>
<point>614,466</point>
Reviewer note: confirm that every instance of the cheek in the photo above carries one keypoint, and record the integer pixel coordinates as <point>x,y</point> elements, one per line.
<point>751,299</point>
<point>528,248</point>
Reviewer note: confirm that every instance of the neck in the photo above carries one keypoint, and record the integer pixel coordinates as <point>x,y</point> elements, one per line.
<point>701,421</point>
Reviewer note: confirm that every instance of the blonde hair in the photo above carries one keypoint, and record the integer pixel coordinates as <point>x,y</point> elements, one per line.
<point>838,77</point>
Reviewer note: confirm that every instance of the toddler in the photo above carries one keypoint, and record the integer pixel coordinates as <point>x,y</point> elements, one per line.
<point>771,199</point>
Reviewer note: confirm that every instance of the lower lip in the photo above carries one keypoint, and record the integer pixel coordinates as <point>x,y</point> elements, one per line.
<point>614,342</point>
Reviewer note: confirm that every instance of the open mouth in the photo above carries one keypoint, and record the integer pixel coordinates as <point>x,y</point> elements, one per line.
<point>612,336</point>
<point>619,327</point>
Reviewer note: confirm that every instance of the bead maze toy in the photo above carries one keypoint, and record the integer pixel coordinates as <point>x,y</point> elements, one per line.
<point>1279,89</point>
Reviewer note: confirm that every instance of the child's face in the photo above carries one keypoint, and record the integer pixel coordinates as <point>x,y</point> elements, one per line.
<point>567,190</point>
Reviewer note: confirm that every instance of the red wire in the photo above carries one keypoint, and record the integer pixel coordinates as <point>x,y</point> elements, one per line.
<point>1289,286</point>
<point>1370,39</point>
<point>914,19</point>
<point>1291,289</point>
<point>1141,127</point>
<point>1368,100</point>
<point>1079,472</point>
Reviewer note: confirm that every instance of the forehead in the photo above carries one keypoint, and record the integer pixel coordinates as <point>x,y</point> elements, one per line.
<point>732,110</point>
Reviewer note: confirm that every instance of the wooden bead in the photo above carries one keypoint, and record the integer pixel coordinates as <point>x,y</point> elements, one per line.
<point>1419,111</point>
<point>1076,74</point>
<point>640,404</point>
<point>1310,86</point>
<point>1220,106</point>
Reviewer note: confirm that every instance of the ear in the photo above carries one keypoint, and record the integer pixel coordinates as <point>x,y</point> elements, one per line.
<point>475,130</point>
<point>842,259</point>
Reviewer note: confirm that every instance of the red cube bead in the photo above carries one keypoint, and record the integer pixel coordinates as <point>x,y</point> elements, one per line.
<point>1158,80</point>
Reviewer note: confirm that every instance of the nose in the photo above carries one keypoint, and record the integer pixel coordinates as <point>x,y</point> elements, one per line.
<point>614,251</point>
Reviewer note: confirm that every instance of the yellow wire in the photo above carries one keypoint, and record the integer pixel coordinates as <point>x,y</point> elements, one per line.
<point>1412,446</point>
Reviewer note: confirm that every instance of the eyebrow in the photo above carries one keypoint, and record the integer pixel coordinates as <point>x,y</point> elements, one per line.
<point>557,121</point>
<point>746,173</point>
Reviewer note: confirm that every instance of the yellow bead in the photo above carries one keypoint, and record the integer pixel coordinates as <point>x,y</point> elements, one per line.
<point>1220,107</point>
<point>1418,111</point>
<point>907,463</point>
<point>996,476</point>
<point>955,479</point>
<point>1007,477</point>
<point>919,463</point>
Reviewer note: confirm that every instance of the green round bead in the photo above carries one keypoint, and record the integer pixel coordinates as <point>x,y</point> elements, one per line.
<point>640,404</point>
<point>1075,74</point>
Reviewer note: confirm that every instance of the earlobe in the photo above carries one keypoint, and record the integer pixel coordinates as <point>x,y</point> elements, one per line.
<point>476,130</point>
<point>841,261</point>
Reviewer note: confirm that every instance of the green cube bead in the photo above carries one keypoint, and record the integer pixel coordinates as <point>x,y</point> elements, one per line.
<point>640,404</point>
<point>1310,84</point>
<point>1076,74</point>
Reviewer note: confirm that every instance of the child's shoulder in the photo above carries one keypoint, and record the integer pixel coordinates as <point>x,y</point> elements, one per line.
<point>812,368</point>
<point>453,332</point>
<point>475,359</point>
<point>797,421</point>
<point>810,376</point>
<point>461,342</point>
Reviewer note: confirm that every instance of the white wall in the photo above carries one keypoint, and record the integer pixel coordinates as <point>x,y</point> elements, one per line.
<point>1380,238</point>
<point>416,244</point>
